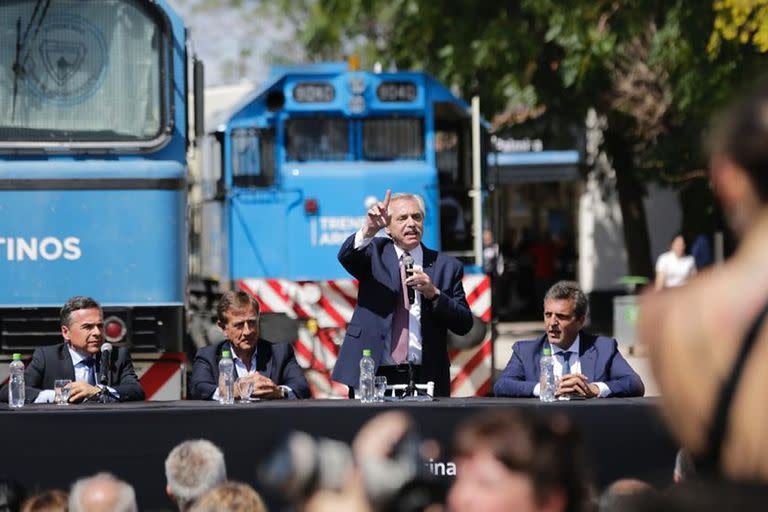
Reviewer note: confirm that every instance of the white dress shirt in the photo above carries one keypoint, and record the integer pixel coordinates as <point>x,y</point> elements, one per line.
<point>242,371</point>
<point>83,373</point>
<point>414,319</point>
<point>575,363</point>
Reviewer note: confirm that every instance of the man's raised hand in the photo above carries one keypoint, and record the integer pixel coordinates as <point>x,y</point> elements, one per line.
<point>377,216</point>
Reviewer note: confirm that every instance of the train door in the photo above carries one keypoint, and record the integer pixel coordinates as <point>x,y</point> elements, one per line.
<point>453,158</point>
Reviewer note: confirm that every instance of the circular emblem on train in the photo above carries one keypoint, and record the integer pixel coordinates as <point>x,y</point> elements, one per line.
<point>65,63</point>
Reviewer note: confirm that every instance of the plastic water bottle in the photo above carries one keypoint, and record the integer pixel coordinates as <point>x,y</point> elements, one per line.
<point>547,380</point>
<point>16,390</point>
<point>366,377</point>
<point>226,381</point>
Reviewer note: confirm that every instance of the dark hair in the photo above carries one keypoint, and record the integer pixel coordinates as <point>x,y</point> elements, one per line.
<point>569,290</point>
<point>235,299</point>
<point>73,304</point>
<point>53,500</point>
<point>741,135</point>
<point>547,450</point>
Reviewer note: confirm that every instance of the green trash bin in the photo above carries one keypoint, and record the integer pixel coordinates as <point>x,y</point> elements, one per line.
<point>625,315</point>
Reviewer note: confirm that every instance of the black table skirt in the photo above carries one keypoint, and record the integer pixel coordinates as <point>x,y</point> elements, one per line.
<point>46,446</point>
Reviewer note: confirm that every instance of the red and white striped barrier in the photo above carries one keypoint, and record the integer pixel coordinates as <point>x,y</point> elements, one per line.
<point>326,307</point>
<point>162,376</point>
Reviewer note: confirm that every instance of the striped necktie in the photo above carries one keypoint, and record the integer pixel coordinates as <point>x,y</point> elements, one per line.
<point>400,318</point>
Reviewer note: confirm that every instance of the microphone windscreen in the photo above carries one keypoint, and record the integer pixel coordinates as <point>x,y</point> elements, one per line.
<point>106,347</point>
<point>408,261</point>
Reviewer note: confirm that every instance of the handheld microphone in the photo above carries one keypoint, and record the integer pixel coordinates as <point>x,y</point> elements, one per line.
<point>408,262</point>
<point>106,356</point>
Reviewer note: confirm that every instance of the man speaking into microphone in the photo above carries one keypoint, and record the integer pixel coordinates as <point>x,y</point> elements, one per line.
<point>408,297</point>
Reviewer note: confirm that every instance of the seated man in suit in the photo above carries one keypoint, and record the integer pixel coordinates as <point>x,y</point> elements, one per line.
<point>272,367</point>
<point>588,366</point>
<point>78,359</point>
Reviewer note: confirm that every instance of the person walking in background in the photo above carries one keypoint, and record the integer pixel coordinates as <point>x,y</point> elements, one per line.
<point>674,268</point>
<point>701,250</point>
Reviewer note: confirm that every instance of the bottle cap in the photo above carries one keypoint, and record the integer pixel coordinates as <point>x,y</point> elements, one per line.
<point>225,353</point>
<point>547,351</point>
<point>367,352</point>
<point>16,357</point>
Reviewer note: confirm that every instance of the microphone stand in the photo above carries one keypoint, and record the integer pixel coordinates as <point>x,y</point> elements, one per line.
<point>411,389</point>
<point>105,379</point>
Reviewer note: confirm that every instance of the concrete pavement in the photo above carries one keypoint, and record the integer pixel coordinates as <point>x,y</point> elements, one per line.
<point>510,332</point>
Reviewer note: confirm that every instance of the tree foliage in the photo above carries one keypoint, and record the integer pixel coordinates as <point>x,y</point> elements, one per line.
<point>656,70</point>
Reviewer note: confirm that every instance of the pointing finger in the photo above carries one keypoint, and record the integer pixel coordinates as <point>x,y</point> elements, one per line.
<point>387,197</point>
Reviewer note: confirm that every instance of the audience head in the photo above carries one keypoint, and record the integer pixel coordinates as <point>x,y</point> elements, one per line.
<point>11,494</point>
<point>506,461</point>
<point>54,500</point>
<point>82,324</point>
<point>623,495</point>
<point>230,497</point>
<point>739,162</point>
<point>102,493</point>
<point>565,311</point>
<point>193,468</point>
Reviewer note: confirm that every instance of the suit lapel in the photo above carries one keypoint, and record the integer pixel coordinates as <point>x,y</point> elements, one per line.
<point>537,357</point>
<point>65,363</point>
<point>587,356</point>
<point>392,266</point>
<point>429,262</point>
<point>264,359</point>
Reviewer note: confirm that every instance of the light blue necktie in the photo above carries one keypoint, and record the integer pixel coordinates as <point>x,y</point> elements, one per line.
<point>566,362</point>
<point>89,365</point>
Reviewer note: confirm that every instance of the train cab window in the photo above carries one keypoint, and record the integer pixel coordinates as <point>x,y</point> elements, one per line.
<point>253,157</point>
<point>393,139</point>
<point>316,139</point>
<point>83,72</point>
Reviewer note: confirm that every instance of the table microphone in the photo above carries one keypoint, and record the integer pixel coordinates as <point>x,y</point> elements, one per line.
<point>408,262</point>
<point>106,356</point>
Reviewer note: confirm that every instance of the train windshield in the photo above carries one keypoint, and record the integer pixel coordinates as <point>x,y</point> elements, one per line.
<point>393,138</point>
<point>316,138</point>
<point>80,71</point>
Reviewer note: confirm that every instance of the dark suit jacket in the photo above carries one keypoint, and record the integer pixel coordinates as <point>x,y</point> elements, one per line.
<point>377,270</point>
<point>54,362</point>
<point>600,359</point>
<point>275,361</point>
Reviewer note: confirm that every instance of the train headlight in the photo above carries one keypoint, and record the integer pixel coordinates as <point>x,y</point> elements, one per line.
<point>357,85</point>
<point>114,329</point>
<point>357,105</point>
